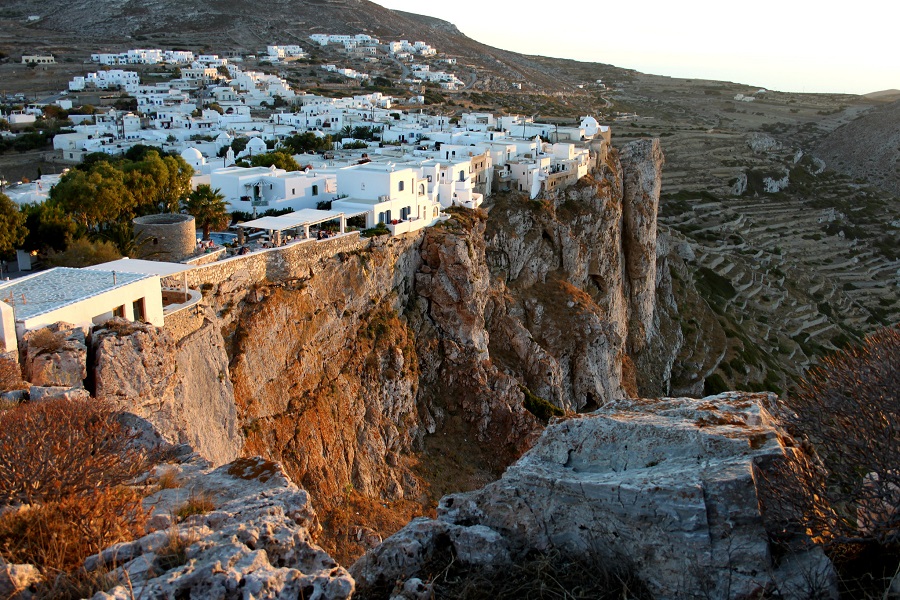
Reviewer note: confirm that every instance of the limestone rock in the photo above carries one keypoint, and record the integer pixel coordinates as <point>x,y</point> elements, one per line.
<point>55,356</point>
<point>255,543</point>
<point>667,486</point>
<point>45,393</point>
<point>17,581</point>
<point>183,389</point>
<point>642,162</point>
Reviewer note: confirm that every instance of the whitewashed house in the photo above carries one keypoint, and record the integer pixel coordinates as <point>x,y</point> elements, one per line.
<point>264,188</point>
<point>389,194</point>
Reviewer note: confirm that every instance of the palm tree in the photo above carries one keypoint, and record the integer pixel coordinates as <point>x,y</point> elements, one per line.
<point>208,207</point>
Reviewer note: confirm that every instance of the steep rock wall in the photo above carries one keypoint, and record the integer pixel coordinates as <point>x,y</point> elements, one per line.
<point>324,367</point>
<point>575,277</point>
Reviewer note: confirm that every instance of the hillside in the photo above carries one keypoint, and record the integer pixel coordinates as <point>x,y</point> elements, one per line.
<point>867,147</point>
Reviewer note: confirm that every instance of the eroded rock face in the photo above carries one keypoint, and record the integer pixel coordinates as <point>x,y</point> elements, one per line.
<point>255,542</point>
<point>642,162</point>
<point>182,388</point>
<point>55,356</point>
<point>325,369</point>
<point>667,486</point>
<point>454,285</point>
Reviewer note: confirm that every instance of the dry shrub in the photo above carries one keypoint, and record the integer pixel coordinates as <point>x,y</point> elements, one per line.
<point>59,535</point>
<point>64,462</point>
<point>846,416</point>
<point>45,340</point>
<point>539,575</point>
<point>841,485</point>
<point>52,450</point>
<point>198,503</point>
<point>10,375</point>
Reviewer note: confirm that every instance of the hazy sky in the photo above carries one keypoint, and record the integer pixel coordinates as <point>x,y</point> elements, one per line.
<point>786,45</point>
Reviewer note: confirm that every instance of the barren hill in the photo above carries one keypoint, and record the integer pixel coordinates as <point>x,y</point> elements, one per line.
<point>868,147</point>
<point>103,25</point>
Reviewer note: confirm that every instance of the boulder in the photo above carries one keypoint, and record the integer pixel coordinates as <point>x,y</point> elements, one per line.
<point>17,581</point>
<point>55,356</point>
<point>671,488</point>
<point>39,393</point>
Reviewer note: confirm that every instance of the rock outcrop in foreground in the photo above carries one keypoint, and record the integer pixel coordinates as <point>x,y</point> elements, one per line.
<point>255,542</point>
<point>671,488</point>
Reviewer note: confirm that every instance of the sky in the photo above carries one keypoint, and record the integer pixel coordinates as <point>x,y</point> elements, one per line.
<point>785,45</point>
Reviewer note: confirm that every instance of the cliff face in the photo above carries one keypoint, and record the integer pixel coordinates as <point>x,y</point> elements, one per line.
<point>182,387</point>
<point>576,277</point>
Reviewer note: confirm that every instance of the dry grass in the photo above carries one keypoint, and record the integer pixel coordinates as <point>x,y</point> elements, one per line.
<point>168,480</point>
<point>174,553</point>
<point>45,340</point>
<point>344,519</point>
<point>198,503</point>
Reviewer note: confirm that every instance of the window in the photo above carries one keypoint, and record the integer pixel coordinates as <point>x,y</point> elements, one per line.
<point>315,190</point>
<point>400,186</point>
<point>293,191</point>
<point>119,311</point>
<point>140,313</point>
<point>462,175</point>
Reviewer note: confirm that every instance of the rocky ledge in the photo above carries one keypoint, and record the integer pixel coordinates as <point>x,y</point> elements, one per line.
<point>254,541</point>
<point>671,489</point>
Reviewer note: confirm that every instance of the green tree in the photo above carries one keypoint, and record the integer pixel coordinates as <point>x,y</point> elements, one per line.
<point>207,205</point>
<point>84,253</point>
<point>12,225</point>
<point>281,160</point>
<point>307,142</point>
<point>93,198</point>
<point>49,228</point>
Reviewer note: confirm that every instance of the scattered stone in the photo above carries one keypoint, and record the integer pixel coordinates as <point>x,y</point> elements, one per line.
<point>39,393</point>
<point>17,582</point>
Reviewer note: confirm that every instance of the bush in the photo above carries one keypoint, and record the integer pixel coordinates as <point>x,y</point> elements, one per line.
<point>10,375</point>
<point>846,417</point>
<point>84,253</point>
<point>539,407</point>
<point>52,450</point>
<point>59,535</point>
<point>379,229</point>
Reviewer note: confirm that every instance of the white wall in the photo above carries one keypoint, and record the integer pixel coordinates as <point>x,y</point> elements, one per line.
<point>99,308</point>
<point>7,329</point>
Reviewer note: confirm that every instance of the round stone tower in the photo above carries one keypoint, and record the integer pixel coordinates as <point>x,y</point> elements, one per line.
<point>168,236</point>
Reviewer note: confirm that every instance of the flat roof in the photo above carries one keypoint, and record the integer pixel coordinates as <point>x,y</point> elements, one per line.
<point>53,289</point>
<point>142,267</point>
<point>307,216</point>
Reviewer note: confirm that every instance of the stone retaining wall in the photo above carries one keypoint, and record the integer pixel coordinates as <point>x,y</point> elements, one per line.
<point>277,263</point>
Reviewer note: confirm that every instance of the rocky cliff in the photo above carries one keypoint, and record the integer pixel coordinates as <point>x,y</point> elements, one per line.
<point>346,360</point>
